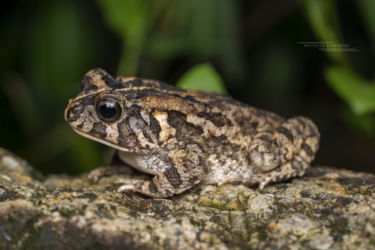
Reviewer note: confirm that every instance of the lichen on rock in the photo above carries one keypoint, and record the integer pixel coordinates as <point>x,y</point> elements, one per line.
<point>326,209</point>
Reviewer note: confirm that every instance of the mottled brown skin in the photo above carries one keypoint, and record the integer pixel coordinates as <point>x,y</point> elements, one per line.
<point>184,138</point>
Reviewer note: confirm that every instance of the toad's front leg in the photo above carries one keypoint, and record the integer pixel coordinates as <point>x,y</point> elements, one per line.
<point>163,185</point>
<point>115,167</point>
<point>184,171</point>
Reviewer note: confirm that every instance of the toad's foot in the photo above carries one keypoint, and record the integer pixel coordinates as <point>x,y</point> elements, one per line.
<point>95,175</point>
<point>116,167</point>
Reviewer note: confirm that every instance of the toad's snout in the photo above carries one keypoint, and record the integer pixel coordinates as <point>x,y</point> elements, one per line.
<point>73,113</point>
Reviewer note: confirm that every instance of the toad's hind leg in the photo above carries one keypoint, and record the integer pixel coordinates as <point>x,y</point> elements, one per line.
<point>285,154</point>
<point>284,172</point>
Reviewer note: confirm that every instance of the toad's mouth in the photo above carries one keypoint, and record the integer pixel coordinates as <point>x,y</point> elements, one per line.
<point>107,143</point>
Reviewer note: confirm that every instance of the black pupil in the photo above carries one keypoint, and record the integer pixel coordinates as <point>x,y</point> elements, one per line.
<point>108,110</point>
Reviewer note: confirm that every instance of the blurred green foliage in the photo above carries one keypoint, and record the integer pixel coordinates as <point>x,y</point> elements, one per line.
<point>342,77</point>
<point>358,93</point>
<point>323,19</point>
<point>202,73</point>
<point>131,20</point>
<point>46,48</point>
<point>168,29</point>
<point>367,8</point>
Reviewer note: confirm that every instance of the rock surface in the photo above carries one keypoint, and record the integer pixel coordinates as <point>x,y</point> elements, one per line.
<point>327,209</point>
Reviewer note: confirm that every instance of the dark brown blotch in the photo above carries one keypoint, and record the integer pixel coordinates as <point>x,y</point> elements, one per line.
<point>126,136</point>
<point>301,121</point>
<point>80,126</point>
<point>133,94</point>
<point>146,134</point>
<point>286,132</point>
<point>74,113</point>
<point>135,122</point>
<point>137,82</point>
<point>313,132</point>
<point>110,81</point>
<point>217,119</point>
<point>203,164</point>
<point>222,139</point>
<point>173,176</point>
<point>265,137</point>
<point>176,119</point>
<point>87,84</point>
<point>135,111</point>
<point>189,98</point>
<point>154,124</point>
<point>193,180</point>
<point>98,130</point>
<point>152,187</point>
<point>130,94</point>
<point>184,129</point>
<point>254,125</point>
<point>307,149</point>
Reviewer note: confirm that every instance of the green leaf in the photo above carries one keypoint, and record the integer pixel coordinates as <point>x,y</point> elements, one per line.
<point>202,77</point>
<point>357,92</point>
<point>128,18</point>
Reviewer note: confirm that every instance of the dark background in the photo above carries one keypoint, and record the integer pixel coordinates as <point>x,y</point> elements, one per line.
<point>47,46</point>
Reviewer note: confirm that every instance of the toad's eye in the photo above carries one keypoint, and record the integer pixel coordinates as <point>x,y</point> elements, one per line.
<point>108,110</point>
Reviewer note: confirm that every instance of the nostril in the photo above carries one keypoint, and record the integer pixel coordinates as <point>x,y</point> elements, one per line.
<point>73,113</point>
<point>77,109</point>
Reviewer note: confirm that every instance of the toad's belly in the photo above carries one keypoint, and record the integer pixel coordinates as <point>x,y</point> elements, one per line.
<point>224,169</point>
